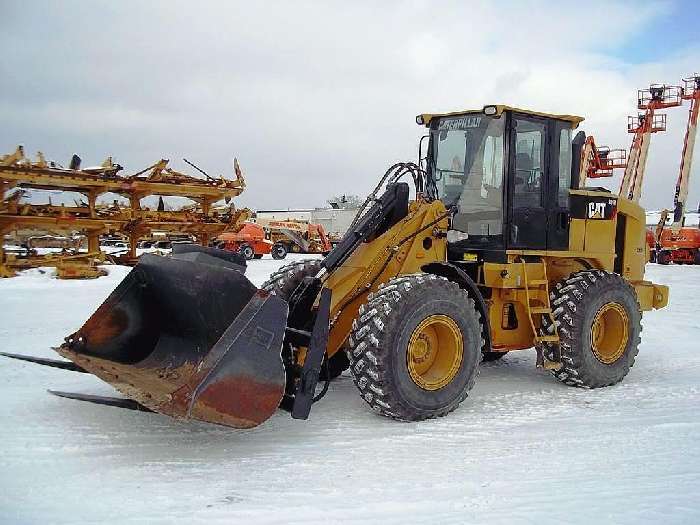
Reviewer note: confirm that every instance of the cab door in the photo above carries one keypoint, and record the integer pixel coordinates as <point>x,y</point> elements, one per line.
<point>559,184</point>
<point>528,182</point>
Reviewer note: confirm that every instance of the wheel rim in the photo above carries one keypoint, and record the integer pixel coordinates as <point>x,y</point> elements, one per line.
<point>610,333</point>
<point>435,352</point>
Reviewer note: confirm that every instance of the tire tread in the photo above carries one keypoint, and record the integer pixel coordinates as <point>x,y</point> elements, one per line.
<point>374,322</point>
<point>567,298</point>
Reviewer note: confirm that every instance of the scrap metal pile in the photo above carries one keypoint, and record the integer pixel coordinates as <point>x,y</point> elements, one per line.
<point>202,220</point>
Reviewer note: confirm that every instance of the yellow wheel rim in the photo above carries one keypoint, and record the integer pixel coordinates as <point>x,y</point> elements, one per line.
<point>610,333</point>
<point>435,352</point>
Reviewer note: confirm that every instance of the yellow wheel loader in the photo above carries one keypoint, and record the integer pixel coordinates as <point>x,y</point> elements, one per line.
<point>498,251</point>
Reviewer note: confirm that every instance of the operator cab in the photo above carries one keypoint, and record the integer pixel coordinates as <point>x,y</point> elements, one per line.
<point>508,171</point>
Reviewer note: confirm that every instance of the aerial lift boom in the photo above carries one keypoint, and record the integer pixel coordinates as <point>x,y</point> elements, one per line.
<point>691,92</point>
<point>658,96</point>
<point>599,161</point>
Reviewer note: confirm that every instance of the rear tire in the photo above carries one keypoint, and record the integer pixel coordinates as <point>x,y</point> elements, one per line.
<point>279,251</point>
<point>390,376</point>
<point>246,251</point>
<point>664,257</point>
<point>283,283</point>
<point>599,324</point>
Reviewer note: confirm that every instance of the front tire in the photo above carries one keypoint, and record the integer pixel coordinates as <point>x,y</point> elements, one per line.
<point>246,251</point>
<point>599,325</point>
<point>278,251</point>
<point>415,347</point>
<point>664,257</point>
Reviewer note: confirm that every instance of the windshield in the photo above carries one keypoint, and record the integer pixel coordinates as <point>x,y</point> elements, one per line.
<point>467,166</point>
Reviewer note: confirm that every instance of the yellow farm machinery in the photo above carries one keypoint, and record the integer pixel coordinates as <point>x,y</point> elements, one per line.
<point>19,174</point>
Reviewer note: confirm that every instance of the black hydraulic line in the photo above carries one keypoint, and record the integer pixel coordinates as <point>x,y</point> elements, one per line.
<point>393,174</point>
<point>371,196</point>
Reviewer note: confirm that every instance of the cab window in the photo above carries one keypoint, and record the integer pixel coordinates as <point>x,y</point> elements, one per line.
<point>564,167</point>
<point>467,165</point>
<point>529,163</point>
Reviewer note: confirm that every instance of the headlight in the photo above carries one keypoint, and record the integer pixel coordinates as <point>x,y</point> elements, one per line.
<point>490,110</point>
<point>419,120</point>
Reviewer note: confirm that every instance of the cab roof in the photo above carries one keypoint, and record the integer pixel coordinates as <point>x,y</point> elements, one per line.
<point>425,118</point>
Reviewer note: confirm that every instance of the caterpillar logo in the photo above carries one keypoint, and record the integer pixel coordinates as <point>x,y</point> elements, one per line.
<point>593,207</point>
<point>596,210</point>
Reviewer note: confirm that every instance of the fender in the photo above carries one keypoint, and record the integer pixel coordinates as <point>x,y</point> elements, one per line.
<point>460,277</point>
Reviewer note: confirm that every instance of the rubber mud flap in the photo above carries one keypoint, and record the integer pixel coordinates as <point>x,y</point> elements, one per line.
<point>188,340</point>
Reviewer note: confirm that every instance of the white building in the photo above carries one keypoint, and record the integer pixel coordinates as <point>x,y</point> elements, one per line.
<point>335,221</point>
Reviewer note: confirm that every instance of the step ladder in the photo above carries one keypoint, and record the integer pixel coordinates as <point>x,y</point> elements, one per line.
<point>538,305</point>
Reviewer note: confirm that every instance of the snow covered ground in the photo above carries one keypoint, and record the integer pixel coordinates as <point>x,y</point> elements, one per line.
<point>522,449</point>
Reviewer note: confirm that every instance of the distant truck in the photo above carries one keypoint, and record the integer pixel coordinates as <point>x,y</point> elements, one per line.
<point>678,247</point>
<point>298,236</point>
<point>277,238</point>
<point>250,242</point>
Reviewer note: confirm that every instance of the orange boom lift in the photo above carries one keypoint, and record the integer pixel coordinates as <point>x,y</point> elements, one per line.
<point>681,244</point>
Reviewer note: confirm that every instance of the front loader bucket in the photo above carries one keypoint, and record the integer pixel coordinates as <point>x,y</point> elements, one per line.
<point>189,340</point>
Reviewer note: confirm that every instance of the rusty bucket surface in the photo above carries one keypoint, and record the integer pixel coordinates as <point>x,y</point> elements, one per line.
<point>189,340</point>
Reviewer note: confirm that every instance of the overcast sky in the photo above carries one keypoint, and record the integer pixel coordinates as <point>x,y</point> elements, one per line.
<point>318,98</point>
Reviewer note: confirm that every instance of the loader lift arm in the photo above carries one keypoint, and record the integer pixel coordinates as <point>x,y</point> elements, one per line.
<point>384,213</point>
